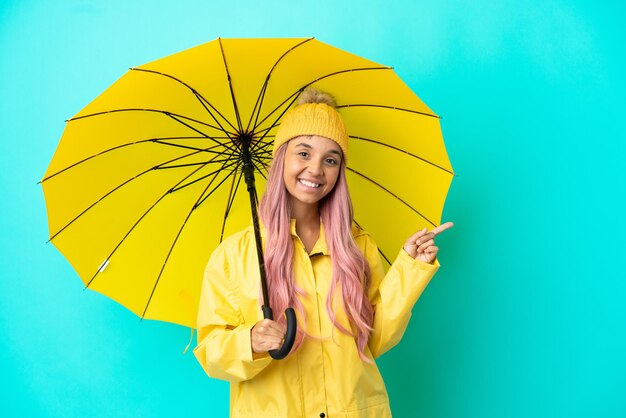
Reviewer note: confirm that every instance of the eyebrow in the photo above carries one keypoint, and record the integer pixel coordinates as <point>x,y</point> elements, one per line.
<point>305,145</point>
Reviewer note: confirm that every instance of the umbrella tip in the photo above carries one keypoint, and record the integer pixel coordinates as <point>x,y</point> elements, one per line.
<point>103,266</point>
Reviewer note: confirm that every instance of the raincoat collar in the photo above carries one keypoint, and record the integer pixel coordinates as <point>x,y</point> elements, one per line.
<point>320,246</point>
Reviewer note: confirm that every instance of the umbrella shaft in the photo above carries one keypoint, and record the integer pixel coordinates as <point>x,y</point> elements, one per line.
<point>248,173</point>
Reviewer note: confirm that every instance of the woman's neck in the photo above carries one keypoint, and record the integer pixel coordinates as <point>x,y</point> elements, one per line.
<point>307,224</point>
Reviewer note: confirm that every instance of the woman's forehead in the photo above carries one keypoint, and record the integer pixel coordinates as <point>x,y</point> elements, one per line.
<point>316,142</point>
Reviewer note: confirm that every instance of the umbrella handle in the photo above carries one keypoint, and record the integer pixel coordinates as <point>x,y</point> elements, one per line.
<point>290,336</point>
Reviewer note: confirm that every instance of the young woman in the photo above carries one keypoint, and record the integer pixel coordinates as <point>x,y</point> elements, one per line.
<point>317,261</point>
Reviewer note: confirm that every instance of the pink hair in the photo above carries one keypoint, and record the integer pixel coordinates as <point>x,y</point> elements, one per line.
<point>350,269</point>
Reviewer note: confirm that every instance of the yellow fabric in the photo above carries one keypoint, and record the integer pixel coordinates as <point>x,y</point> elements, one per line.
<point>312,119</point>
<point>326,375</point>
<point>144,179</point>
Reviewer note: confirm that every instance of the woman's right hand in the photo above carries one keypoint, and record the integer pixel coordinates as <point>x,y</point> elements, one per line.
<point>267,335</point>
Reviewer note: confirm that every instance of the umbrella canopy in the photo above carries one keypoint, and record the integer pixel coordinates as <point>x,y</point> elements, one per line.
<point>148,178</point>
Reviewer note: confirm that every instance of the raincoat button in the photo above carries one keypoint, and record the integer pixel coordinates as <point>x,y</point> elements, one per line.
<point>322,415</point>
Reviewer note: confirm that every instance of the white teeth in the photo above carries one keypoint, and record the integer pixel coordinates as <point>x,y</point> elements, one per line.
<point>309,184</point>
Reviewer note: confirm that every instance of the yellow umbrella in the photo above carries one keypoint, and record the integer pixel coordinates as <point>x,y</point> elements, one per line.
<point>147,178</point>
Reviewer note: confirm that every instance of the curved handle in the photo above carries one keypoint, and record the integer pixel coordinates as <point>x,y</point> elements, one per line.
<point>290,336</point>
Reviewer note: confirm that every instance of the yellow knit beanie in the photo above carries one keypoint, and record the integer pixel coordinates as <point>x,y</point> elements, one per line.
<point>314,115</point>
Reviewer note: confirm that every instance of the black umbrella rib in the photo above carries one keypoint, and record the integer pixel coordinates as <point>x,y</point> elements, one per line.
<point>360,138</point>
<point>391,193</point>
<point>261,163</point>
<point>169,253</point>
<point>213,173</point>
<point>226,164</point>
<point>384,256</point>
<point>264,157</point>
<point>259,101</point>
<point>234,187</point>
<point>94,156</point>
<point>295,95</point>
<point>119,186</point>
<point>230,86</point>
<point>143,141</point>
<point>201,98</point>
<point>262,149</point>
<point>260,166</point>
<point>291,99</point>
<point>163,112</point>
<point>174,116</point>
<point>233,192</point>
<point>204,104</point>
<point>137,223</point>
<point>379,250</point>
<point>260,140</point>
<point>262,144</point>
<point>190,165</point>
<point>210,150</point>
<point>225,144</point>
<point>265,132</point>
<point>401,109</point>
<point>262,160</point>
<point>237,164</point>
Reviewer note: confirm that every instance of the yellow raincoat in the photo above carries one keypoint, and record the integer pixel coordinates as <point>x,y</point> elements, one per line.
<point>325,377</point>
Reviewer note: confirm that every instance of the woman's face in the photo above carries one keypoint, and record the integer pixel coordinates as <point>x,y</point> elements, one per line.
<point>312,165</point>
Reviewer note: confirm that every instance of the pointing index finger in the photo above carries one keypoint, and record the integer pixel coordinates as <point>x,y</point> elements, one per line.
<point>442,228</point>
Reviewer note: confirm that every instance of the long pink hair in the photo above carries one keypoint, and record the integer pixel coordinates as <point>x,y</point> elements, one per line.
<point>350,270</point>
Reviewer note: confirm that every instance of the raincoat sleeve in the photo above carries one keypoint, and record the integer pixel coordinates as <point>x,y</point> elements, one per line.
<point>224,349</point>
<point>393,295</point>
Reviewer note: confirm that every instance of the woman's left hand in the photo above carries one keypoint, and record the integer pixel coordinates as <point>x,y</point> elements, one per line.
<point>421,245</point>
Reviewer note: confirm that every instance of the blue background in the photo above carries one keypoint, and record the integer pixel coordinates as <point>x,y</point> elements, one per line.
<point>526,316</point>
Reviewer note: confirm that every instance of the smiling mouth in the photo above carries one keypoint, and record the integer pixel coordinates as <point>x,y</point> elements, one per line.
<point>309,184</point>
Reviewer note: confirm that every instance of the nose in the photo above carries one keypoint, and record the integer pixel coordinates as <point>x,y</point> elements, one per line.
<point>316,167</point>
